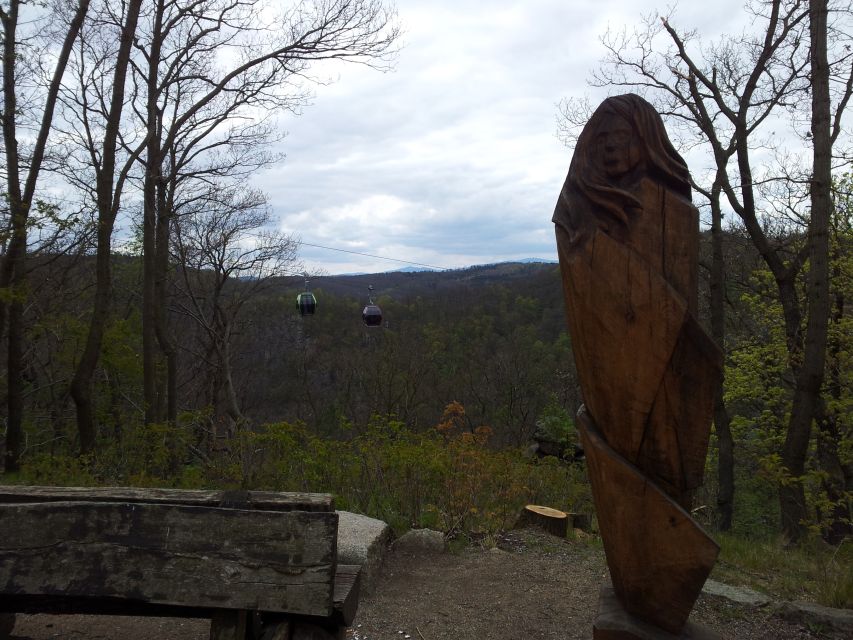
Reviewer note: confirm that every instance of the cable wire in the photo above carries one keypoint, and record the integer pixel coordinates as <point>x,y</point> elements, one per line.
<point>371,255</point>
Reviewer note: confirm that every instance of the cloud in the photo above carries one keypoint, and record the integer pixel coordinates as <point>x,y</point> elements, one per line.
<point>451,159</point>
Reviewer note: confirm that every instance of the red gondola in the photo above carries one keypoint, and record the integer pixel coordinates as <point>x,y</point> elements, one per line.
<point>372,314</point>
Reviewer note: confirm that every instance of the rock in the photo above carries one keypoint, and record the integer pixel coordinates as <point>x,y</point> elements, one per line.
<point>421,541</point>
<point>740,595</point>
<point>817,615</point>
<point>550,448</point>
<point>798,612</point>
<point>363,541</point>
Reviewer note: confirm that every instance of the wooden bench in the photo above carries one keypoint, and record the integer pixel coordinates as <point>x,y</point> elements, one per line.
<point>260,565</point>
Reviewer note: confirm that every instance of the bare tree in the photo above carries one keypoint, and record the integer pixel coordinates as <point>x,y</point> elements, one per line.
<point>199,69</point>
<point>731,97</point>
<point>22,168</point>
<point>807,400</point>
<point>225,258</point>
<point>202,115</point>
<point>722,422</point>
<point>93,112</point>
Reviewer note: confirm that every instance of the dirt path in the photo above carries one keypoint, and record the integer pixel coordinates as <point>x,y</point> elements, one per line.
<point>531,587</point>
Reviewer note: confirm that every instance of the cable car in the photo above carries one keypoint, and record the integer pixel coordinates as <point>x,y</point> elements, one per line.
<point>372,314</point>
<point>306,302</point>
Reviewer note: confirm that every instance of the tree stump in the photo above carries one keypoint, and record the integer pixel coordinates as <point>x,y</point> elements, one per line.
<point>551,520</point>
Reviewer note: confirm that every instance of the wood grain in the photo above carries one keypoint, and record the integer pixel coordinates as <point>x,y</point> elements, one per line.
<point>646,368</point>
<point>553,521</point>
<point>346,592</point>
<point>628,240</point>
<point>203,557</point>
<point>261,500</point>
<point>658,556</point>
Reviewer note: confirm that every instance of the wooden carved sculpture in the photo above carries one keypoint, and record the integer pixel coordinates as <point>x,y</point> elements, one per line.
<point>627,237</point>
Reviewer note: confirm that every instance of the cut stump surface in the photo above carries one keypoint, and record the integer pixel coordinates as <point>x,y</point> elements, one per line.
<point>551,520</point>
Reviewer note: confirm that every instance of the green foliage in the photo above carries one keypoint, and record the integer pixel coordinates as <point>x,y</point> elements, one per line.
<point>448,479</point>
<point>147,455</point>
<point>155,455</point>
<point>760,378</point>
<point>57,469</point>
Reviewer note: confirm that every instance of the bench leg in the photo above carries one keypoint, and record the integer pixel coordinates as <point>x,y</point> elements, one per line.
<point>229,625</point>
<point>314,632</point>
<point>277,630</point>
<point>7,623</point>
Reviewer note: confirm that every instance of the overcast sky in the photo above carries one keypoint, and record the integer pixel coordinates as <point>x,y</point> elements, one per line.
<point>451,159</point>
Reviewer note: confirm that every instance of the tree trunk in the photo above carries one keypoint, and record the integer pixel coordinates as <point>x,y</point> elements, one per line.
<point>14,424</point>
<point>108,198</point>
<point>232,405</point>
<point>835,480</point>
<point>21,201</point>
<point>81,383</point>
<point>151,188</point>
<point>13,273</point>
<point>807,392</point>
<point>160,394</point>
<point>725,443</point>
<point>725,463</point>
<point>18,214</point>
<point>12,270</point>
<point>836,526</point>
<point>149,342</point>
<point>165,339</point>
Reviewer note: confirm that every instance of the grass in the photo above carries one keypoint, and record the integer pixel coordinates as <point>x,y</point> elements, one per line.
<point>813,572</point>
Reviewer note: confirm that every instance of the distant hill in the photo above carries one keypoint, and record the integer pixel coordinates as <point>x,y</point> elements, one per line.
<point>411,282</point>
<point>417,269</point>
<point>536,260</point>
<point>412,270</point>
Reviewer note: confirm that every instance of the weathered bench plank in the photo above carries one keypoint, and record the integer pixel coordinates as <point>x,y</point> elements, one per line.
<point>170,555</point>
<point>346,593</point>
<point>261,500</point>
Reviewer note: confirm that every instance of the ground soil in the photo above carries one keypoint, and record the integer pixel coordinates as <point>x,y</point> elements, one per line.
<point>524,585</point>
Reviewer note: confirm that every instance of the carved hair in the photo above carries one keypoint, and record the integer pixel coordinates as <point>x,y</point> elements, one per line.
<point>589,198</point>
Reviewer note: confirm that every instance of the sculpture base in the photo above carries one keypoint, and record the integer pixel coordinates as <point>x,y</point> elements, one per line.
<point>659,557</point>
<point>614,623</point>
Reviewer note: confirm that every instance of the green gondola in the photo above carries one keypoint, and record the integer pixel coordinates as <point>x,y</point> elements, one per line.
<point>306,303</point>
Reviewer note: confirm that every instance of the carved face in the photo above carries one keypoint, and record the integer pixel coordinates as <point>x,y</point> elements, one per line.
<point>617,146</point>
